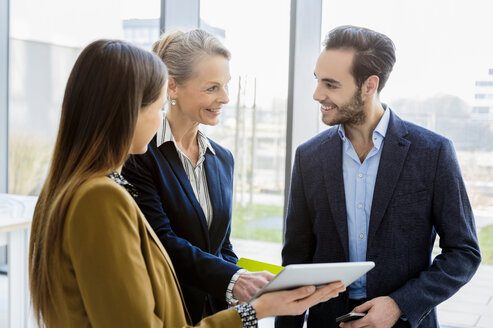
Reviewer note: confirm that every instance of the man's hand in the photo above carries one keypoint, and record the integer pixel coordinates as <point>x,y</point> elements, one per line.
<point>249,283</point>
<point>382,312</point>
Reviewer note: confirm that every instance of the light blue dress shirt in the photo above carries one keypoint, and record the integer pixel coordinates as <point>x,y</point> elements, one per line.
<point>359,184</point>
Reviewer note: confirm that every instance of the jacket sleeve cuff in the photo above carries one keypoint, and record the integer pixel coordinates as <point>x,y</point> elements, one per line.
<point>405,303</point>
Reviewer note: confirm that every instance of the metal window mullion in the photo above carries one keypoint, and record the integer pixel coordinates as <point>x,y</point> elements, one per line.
<point>4,94</point>
<point>304,48</point>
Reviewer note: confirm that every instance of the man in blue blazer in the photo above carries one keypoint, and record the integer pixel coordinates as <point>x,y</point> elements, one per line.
<point>376,188</point>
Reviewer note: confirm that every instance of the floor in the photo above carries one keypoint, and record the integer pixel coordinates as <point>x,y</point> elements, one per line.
<point>471,307</point>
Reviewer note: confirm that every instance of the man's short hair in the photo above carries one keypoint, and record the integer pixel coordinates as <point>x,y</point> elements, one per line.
<point>374,52</point>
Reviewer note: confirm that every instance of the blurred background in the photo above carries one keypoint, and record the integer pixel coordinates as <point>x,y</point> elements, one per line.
<point>443,80</point>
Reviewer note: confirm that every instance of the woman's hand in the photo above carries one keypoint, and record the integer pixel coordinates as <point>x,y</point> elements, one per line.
<point>296,301</point>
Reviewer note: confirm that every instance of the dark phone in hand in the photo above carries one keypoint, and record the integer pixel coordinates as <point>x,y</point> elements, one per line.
<point>350,317</point>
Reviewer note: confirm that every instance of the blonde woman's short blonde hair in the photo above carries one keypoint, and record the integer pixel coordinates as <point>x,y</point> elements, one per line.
<point>181,51</point>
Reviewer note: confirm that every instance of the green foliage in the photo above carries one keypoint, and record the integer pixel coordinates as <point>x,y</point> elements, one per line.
<point>486,244</point>
<point>28,163</point>
<point>245,217</point>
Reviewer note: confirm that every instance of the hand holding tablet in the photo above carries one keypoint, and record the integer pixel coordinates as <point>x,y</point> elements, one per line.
<point>296,275</point>
<point>284,296</point>
<point>295,301</point>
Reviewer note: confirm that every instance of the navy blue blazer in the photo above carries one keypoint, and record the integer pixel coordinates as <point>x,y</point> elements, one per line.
<point>203,258</point>
<point>419,192</point>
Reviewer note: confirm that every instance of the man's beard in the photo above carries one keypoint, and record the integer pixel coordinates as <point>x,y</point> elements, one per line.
<point>351,113</point>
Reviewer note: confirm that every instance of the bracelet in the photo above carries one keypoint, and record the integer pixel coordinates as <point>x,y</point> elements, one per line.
<point>230,299</point>
<point>248,315</point>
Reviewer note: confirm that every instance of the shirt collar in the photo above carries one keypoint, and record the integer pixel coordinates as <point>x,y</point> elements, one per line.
<point>164,135</point>
<point>384,122</point>
<point>380,130</point>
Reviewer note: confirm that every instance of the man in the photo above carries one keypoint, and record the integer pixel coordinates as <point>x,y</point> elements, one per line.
<point>376,188</point>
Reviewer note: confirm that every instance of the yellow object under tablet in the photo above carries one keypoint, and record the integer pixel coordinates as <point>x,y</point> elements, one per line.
<point>252,265</point>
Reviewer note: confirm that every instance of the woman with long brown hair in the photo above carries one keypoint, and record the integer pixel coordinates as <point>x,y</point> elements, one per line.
<point>94,260</point>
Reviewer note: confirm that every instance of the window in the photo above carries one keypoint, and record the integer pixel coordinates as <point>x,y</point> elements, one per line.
<point>46,38</point>
<point>253,124</point>
<point>485,83</point>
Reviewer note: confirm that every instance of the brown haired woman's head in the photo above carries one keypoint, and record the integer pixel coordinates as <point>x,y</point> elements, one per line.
<point>198,67</point>
<point>110,82</point>
<point>114,90</point>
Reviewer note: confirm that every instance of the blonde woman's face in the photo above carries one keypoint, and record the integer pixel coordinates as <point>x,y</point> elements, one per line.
<point>148,122</point>
<point>201,98</point>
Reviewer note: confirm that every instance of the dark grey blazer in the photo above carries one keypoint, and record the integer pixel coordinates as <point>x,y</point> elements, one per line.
<point>419,193</point>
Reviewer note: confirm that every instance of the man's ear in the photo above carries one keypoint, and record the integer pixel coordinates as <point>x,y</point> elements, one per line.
<point>370,86</point>
<point>172,88</point>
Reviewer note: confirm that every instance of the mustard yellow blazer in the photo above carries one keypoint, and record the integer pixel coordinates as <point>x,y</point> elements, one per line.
<point>114,271</point>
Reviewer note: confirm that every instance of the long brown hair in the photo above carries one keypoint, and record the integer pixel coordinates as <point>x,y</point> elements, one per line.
<point>110,82</point>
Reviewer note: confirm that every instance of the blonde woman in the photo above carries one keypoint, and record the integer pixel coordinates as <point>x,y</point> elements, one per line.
<point>94,260</point>
<point>185,179</point>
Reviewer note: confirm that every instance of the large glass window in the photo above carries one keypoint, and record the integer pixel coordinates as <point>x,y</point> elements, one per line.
<point>443,81</point>
<point>45,39</point>
<point>253,124</point>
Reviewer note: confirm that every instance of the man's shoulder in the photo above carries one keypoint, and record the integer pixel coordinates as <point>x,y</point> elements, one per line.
<point>316,141</point>
<point>419,134</point>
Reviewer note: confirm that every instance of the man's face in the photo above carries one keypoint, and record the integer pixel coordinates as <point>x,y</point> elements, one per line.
<point>337,92</point>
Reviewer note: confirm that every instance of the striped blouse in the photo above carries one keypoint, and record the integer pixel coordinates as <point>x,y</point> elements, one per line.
<point>196,176</point>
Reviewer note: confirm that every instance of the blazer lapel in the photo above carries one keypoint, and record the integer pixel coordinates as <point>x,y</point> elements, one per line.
<point>331,162</point>
<point>394,154</point>
<point>169,152</point>
<point>215,191</point>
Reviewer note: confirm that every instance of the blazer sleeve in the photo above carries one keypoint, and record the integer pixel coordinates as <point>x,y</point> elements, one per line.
<point>193,266</point>
<point>104,246</point>
<point>224,319</point>
<point>460,257</point>
<point>298,231</point>
<point>227,248</point>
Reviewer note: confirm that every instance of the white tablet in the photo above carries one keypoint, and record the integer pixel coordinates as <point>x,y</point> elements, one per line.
<point>297,275</point>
